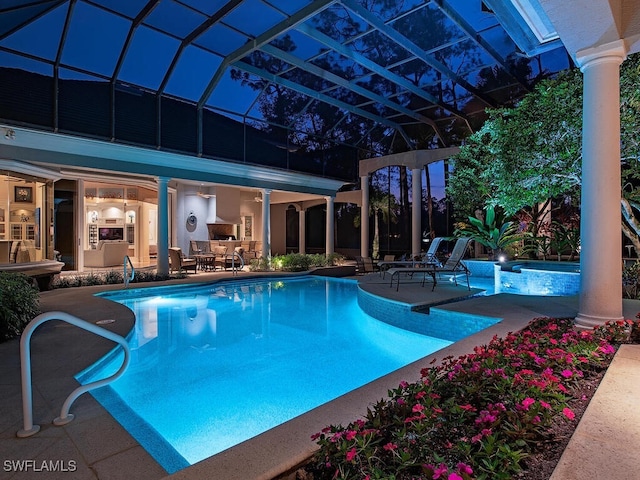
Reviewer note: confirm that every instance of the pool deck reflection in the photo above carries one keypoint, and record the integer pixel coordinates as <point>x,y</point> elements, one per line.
<point>99,448</point>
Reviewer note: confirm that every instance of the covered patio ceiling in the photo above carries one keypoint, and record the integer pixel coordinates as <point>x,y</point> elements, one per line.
<point>382,76</point>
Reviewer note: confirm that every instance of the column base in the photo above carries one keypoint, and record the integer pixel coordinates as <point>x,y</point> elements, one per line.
<point>587,322</point>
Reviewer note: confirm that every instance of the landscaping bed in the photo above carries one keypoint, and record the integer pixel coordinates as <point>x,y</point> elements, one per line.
<point>506,411</point>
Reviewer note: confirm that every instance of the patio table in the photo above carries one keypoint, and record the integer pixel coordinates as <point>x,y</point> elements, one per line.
<point>205,262</point>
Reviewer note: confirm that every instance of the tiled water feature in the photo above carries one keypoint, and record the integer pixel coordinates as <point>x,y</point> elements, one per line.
<point>530,277</point>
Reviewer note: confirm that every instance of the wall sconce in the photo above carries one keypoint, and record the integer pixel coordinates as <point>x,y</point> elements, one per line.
<point>9,134</point>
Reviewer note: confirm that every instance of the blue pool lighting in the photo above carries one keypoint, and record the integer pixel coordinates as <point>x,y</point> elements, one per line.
<point>216,364</point>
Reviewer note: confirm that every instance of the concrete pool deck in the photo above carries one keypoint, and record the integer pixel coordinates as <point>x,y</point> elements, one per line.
<point>95,446</point>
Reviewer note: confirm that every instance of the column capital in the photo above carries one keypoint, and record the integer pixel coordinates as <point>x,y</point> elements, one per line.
<point>606,53</point>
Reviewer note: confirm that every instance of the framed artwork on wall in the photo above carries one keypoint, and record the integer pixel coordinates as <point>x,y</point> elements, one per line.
<point>23,194</point>
<point>248,227</point>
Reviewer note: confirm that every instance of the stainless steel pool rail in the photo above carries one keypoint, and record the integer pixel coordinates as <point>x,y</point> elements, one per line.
<point>234,269</point>
<point>25,369</point>
<point>127,278</point>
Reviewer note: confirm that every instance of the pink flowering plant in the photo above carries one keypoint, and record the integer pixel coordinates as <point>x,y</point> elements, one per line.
<point>477,416</point>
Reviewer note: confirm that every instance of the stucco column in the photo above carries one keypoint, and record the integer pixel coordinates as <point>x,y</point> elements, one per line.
<point>81,221</point>
<point>364,216</point>
<point>266,225</point>
<point>416,211</point>
<point>600,232</point>
<point>302,230</point>
<point>330,226</point>
<point>163,226</point>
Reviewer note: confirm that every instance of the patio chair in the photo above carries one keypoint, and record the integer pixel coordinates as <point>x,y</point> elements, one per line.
<point>219,253</point>
<point>365,265</point>
<point>359,266</point>
<point>369,266</point>
<point>194,249</point>
<point>431,254</point>
<point>454,263</point>
<point>178,262</point>
<point>386,263</point>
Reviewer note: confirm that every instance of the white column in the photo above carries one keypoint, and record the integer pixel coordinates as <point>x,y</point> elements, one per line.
<point>302,240</point>
<point>211,206</point>
<point>600,232</point>
<point>330,226</point>
<point>364,216</point>
<point>416,211</point>
<point>266,225</point>
<point>163,226</point>
<point>81,221</point>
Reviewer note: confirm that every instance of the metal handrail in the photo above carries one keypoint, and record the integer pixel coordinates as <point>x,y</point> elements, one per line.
<point>128,279</point>
<point>235,270</point>
<point>25,369</point>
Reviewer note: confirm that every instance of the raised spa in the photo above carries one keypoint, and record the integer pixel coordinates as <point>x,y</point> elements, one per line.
<point>533,277</point>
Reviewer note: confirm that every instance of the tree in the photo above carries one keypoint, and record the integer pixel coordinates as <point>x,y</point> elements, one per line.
<point>525,155</point>
<point>380,205</point>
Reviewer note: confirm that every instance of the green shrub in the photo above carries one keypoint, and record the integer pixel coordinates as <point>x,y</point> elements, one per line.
<point>91,280</point>
<point>67,281</point>
<point>150,276</point>
<point>631,281</point>
<point>113,277</point>
<point>317,260</point>
<point>18,304</point>
<point>299,262</point>
<point>259,265</point>
<point>335,259</point>
<point>493,232</point>
<point>292,262</point>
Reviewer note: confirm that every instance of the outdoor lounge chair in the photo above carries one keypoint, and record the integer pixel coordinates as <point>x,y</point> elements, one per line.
<point>424,269</point>
<point>454,263</point>
<point>432,268</point>
<point>431,254</point>
<point>430,257</point>
<point>179,263</point>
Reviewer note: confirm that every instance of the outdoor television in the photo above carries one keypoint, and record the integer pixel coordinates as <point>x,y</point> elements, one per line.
<point>111,233</point>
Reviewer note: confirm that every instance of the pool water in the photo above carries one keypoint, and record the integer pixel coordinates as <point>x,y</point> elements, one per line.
<point>214,365</point>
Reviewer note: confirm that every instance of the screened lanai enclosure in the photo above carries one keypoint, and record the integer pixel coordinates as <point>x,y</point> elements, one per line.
<point>294,85</point>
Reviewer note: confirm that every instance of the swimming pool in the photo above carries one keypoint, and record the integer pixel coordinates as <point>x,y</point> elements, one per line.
<point>214,365</point>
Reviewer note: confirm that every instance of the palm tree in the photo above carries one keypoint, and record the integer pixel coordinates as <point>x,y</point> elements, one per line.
<point>384,205</point>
